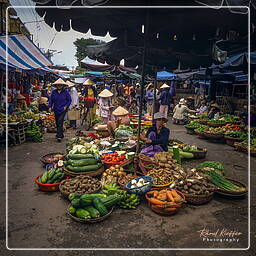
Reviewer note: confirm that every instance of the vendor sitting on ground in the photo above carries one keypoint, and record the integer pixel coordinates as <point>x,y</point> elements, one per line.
<point>203,108</point>
<point>43,104</point>
<point>21,102</point>
<point>121,118</point>
<point>214,112</point>
<point>180,111</point>
<point>157,136</point>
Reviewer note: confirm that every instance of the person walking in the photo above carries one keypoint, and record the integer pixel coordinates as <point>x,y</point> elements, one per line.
<point>75,100</point>
<point>149,99</point>
<point>165,100</point>
<point>105,105</point>
<point>90,95</point>
<point>59,103</point>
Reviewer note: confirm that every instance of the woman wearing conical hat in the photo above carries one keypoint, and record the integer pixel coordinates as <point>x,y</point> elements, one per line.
<point>59,103</point>
<point>121,118</point>
<point>105,105</point>
<point>90,94</point>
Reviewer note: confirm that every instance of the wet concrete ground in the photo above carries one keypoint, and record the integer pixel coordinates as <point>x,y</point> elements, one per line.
<point>39,220</point>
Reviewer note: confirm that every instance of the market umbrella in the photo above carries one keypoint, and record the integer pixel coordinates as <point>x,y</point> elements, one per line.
<point>163,54</point>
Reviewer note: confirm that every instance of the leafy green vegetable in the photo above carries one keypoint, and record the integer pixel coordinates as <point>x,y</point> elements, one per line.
<point>211,164</point>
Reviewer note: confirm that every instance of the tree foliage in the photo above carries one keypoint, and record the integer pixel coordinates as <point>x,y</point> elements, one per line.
<point>81,47</point>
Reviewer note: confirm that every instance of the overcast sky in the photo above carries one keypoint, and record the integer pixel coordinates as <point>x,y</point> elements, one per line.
<point>47,38</point>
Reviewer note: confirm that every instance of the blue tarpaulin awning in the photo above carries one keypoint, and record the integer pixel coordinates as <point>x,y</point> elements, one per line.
<point>164,75</point>
<point>22,53</point>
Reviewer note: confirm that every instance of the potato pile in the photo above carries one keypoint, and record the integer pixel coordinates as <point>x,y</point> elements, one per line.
<point>164,159</point>
<point>193,182</point>
<point>111,175</point>
<point>81,184</point>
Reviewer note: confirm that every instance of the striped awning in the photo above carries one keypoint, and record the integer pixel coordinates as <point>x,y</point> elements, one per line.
<point>22,53</point>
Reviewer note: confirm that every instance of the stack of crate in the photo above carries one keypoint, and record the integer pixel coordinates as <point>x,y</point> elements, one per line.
<point>19,131</point>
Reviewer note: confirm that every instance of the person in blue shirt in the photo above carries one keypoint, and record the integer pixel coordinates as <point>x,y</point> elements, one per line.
<point>150,98</point>
<point>165,100</point>
<point>157,136</point>
<point>59,103</point>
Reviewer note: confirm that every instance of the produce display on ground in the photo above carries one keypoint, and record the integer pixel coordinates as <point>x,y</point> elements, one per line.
<point>166,184</point>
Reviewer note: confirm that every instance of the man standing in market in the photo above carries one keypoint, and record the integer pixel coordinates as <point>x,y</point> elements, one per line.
<point>59,103</point>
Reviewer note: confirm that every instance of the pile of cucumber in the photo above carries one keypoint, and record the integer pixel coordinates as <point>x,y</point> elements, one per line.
<point>82,162</point>
<point>91,206</point>
<point>53,175</point>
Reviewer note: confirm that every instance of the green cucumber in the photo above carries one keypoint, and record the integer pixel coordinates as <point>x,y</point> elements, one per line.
<point>100,206</point>
<point>44,177</point>
<point>72,210</point>
<point>82,162</point>
<point>75,203</point>
<point>73,196</point>
<point>87,168</point>
<point>94,213</point>
<point>80,156</point>
<point>83,214</point>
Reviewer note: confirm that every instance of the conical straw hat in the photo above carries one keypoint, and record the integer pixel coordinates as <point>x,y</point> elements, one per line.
<point>106,93</point>
<point>20,97</point>
<point>120,111</point>
<point>70,84</point>
<point>88,82</point>
<point>60,81</point>
<point>164,86</point>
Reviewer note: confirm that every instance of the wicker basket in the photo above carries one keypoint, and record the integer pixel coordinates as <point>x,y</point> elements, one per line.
<point>231,141</point>
<point>143,167</point>
<point>92,173</point>
<point>213,136</point>
<point>42,159</point>
<point>202,121</point>
<point>190,130</point>
<point>216,124</point>
<point>91,220</point>
<point>129,161</point>
<point>166,210</point>
<point>198,199</point>
<point>200,135</point>
<point>67,194</point>
<point>228,193</point>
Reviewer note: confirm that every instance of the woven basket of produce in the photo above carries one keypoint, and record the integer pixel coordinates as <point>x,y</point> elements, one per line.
<point>200,135</point>
<point>190,130</point>
<point>145,159</point>
<point>215,136</point>
<point>231,141</point>
<point>52,158</point>
<point>200,153</point>
<point>146,167</point>
<point>240,147</point>
<point>81,185</point>
<point>88,173</point>
<point>199,199</point>
<point>88,220</point>
<point>231,193</point>
<point>162,177</point>
<point>165,202</point>
<point>202,121</point>
<point>216,124</point>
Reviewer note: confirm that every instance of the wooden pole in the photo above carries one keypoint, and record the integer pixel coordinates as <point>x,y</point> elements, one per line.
<point>143,73</point>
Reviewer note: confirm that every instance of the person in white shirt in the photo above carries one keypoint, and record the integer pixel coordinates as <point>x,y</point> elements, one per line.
<point>75,101</point>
